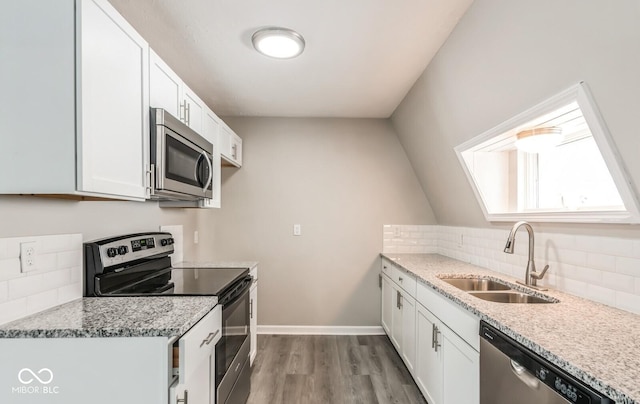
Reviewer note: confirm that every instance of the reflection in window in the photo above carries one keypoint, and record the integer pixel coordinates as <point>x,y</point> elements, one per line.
<point>572,174</point>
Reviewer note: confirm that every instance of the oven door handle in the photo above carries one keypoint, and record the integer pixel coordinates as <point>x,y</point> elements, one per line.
<point>236,294</point>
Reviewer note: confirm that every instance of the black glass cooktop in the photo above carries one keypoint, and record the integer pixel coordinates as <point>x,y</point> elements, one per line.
<point>205,281</point>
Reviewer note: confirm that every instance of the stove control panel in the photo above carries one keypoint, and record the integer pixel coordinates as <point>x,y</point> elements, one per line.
<point>121,250</point>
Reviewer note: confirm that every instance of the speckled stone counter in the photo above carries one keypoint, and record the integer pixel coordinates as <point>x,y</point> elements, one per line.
<point>92,317</point>
<point>597,344</point>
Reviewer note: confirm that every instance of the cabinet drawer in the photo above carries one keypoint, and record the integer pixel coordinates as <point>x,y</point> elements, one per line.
<point>199,342</point>
<point>403,279</point>
<point>460,321</point>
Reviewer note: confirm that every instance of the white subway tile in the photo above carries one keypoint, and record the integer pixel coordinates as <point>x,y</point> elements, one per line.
<point>623,283</point>
<point>404,249</point>
<point>608,245</point>
<point>589,275</point>
<point>68,259</point>
<point>42,301</point>
<point>10,269</point>
<point>601,261</point>
<point>628,266</point>
<point>27,285</point>
<point>56,279</point>
<point>13,247</point>
<point>13,310</point>
<point>638,286</point>
<point>70,292</point>
<point>601,294</point>
<point>627,301</point>
<point>56,243</point>
<point>4,291</point>
<point>558,241</point>
<point>573,287</point>
<point>572,257</point>
<point>76,241</point>
<point>3,249</point>
<point>47,262</point>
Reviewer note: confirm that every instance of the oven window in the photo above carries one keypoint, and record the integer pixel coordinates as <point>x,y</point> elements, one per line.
<point>235,330</point>
<point>181,161</point>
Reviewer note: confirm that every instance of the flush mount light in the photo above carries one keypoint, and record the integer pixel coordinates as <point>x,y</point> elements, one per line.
<point>537,140</point>
<point>280,43</point>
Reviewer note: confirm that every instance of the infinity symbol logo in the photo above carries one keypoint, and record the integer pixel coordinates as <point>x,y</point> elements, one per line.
<point>28,379</point>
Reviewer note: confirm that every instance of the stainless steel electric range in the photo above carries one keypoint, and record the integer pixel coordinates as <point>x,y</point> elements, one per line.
<point>140,265</point>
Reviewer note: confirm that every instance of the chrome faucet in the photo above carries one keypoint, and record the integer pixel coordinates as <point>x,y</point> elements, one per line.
<point>531,276</point>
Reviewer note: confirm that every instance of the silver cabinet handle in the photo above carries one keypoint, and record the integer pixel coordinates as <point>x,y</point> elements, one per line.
<point>188,113</point>
<point>398,299</point>
<point>433,336</point>
<point>184,400</point>
<point>436,342</point>
<point>400,279</point>
<point>209,338</point>
<point>182,112</point>
<point>234,151</point>
<point>380,281</point>
<point>251,308</point>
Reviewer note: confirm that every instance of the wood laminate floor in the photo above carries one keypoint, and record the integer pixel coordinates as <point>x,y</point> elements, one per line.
<point>330,369</point>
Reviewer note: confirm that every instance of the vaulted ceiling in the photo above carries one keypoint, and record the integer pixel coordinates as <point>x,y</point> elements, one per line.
<point>361,58</point>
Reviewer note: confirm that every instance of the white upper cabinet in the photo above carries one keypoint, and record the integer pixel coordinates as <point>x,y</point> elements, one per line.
<point>230,147</point>
<point>169,92</point>
<point>74,112</point>
<point>165,87</point>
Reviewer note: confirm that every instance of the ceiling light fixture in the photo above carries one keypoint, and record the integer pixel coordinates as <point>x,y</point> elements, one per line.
<point>537,140</point>
<point>280,43</point>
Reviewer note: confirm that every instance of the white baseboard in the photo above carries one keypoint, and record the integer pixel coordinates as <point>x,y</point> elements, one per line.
<point>319,330</point>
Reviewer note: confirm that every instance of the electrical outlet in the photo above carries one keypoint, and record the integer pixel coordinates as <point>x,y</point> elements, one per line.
<point>297,230</point>
<point>196,237</point>
<point>460,240</point>
<point>28,257</point>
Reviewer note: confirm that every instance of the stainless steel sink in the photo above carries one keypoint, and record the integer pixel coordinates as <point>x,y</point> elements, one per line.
<point>510,297</point>
<point>475,284</point>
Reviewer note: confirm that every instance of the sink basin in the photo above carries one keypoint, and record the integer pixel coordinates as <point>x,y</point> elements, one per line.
<point>510,297</point>
<point>475,284</point>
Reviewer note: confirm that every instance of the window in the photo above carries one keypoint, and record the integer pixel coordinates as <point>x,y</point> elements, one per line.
<point>554,162</point>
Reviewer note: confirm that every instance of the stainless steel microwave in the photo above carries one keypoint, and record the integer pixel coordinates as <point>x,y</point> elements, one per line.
<point>181,160</point>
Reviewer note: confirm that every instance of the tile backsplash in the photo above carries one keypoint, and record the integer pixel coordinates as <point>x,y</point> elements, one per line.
<point>602,269</point>
<point>57,277</point>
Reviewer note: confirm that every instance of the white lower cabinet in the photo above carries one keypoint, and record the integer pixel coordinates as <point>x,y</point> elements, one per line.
<point>399,312</point>
<point>437,340</point>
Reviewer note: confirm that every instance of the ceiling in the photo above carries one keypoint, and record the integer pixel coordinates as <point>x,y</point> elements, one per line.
<point>361,57</point>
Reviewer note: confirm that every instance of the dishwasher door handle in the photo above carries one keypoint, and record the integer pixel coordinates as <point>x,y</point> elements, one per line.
<point>524,375</point>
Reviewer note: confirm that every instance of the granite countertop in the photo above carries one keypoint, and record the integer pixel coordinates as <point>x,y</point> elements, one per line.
<point>215,264</point>
<point>93,317</point>
<point>597,344</point>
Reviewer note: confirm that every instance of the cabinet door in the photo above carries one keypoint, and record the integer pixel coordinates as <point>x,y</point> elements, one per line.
<point>212,134</point>
<point>408,305</point>
<point>396,318</point>
<point>253,322</point>
<point>165,87</point>
<point>428,368</point>
<point>195,110</point>
<point>461,370</point>
<point>113,102</point>
<point>387,304</point>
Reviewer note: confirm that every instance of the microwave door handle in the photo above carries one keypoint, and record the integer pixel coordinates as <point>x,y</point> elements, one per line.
<point>206,184</point>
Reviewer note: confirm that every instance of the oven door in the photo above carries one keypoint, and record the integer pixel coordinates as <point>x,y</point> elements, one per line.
<point>233,348</point>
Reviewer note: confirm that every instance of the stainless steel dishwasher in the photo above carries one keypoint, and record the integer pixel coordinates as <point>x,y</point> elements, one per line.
<point>511,373</point>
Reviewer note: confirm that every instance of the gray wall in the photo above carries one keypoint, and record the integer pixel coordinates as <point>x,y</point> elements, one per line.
<point>341,179</point>
<point>504,57</point>
<point>32,216</point>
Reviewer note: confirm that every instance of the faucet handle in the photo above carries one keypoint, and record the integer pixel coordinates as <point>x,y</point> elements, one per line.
<point>539,275</point>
